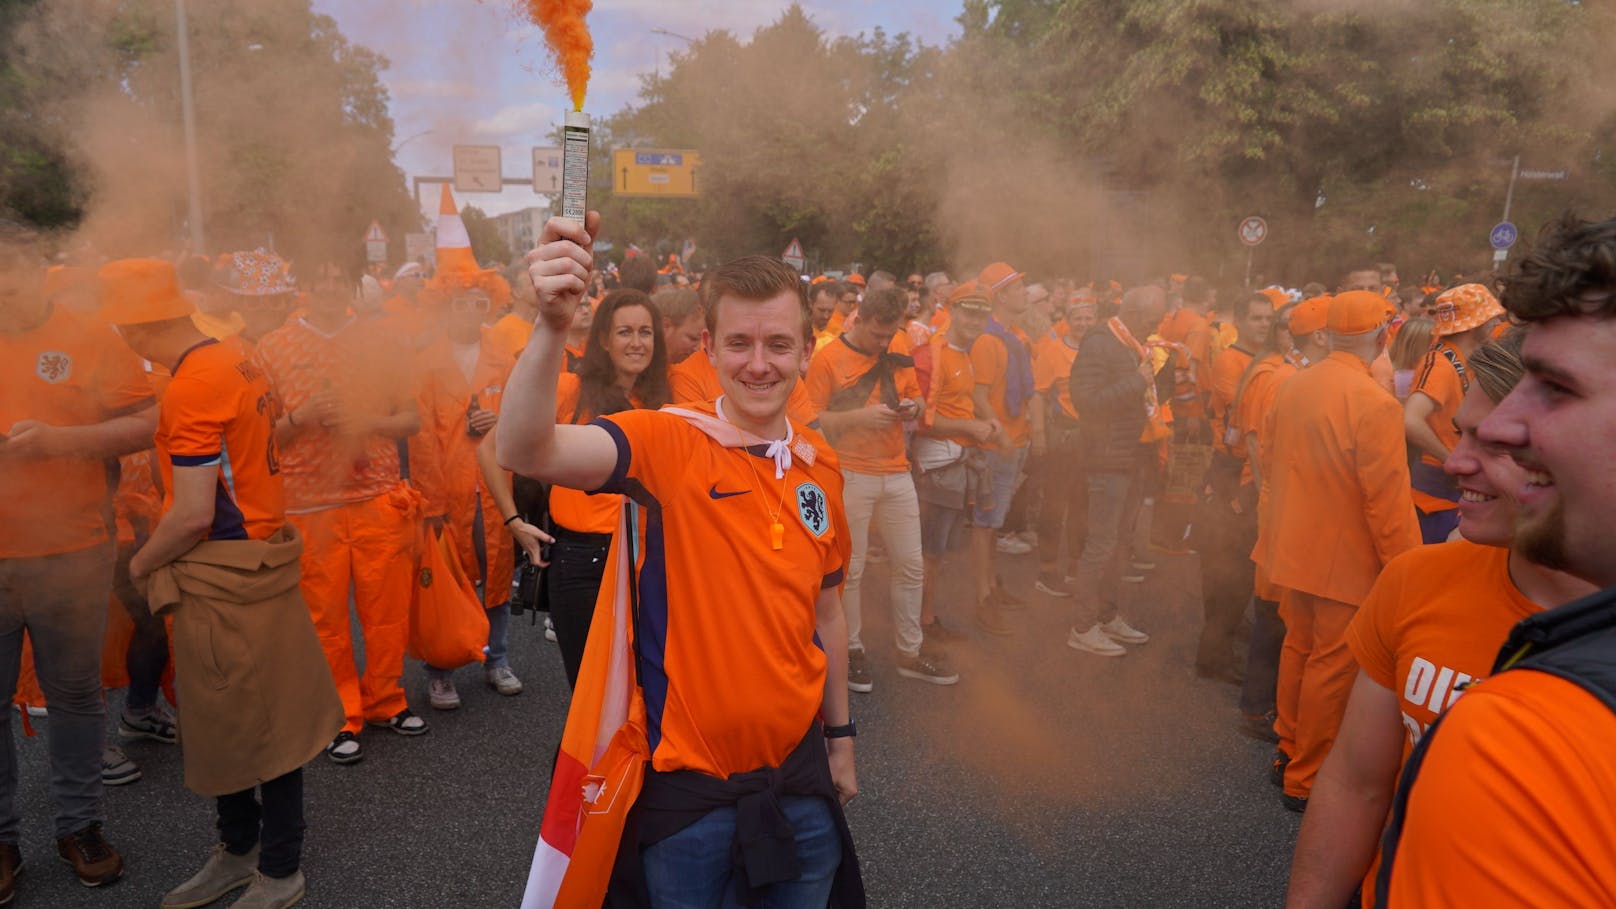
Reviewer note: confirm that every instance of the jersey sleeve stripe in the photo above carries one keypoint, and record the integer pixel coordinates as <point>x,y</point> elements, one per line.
<point>618,480</point>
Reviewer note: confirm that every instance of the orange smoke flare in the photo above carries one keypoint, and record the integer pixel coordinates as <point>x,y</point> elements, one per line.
<point>568,36</point>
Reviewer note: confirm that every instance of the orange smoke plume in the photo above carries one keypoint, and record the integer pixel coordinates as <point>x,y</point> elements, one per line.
<point>568,36</point>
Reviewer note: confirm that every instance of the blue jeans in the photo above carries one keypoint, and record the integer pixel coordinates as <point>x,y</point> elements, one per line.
<point>498,649</point>
<point>692,868</point>
<point>1005,467</point>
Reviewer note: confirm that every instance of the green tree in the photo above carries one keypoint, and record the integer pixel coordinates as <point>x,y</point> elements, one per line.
<point>294,137</point>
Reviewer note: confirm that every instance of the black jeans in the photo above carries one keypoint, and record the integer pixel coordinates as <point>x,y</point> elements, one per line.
<point>1064,490</point>
<point>277,824</point>
<point>577,564</point>
<point>147,655</point>
<point>1262,658</point>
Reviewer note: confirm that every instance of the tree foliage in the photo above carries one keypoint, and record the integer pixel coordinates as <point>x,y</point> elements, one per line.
<point>1124,135</point>
<point>293,131</point>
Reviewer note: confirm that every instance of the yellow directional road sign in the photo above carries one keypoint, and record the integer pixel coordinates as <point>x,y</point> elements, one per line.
<point>668,173</point>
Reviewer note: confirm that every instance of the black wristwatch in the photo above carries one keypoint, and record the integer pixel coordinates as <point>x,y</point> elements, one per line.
<point>842,732</point>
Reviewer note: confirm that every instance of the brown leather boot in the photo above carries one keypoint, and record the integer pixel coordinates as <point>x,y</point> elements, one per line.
<point>92,857</point>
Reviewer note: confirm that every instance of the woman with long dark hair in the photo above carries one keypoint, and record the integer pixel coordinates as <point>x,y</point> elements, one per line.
<point>624,366</point>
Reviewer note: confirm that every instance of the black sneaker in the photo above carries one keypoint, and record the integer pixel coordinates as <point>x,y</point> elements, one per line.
<point>1051,584</point>
<point>938,633</point>
<point>1260,726</point>
<point>927,667</point>
<point>344,749</point>
<point>405,722</point>
<point>1276,768</point>
<point>1293,802</point>
<point>858,672</point>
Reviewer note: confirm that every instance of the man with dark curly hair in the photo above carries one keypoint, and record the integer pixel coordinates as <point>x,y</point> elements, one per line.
<point>1508,799</point>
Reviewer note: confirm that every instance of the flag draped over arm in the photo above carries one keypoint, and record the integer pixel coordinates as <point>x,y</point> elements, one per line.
<point>603,754</point>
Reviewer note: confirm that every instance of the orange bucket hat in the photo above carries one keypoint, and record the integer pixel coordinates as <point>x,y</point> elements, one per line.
<point>135,291</point>
<point>1459,309</point>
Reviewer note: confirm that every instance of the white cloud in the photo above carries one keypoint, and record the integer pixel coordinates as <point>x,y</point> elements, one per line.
<point>531,119</point>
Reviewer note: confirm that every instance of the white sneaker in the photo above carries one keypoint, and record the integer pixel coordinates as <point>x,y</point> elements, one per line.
<point>1010,545</point>
<point>549,630</point>
<point>442,694</point>
<point>1095,641</point>
<point>504,681</point>
<point>1122,631</point>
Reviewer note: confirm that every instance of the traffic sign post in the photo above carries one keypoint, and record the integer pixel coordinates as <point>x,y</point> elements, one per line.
<point>1253,230</point>
<point>547,170</point>
<point>667,173</point>
<point>375,243</point>
<point>1502,237</point>
<point>477,169</point>
<point>793,255</point>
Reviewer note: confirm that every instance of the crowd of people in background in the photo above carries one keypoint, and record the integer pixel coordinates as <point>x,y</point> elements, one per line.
<point>1379,481</point>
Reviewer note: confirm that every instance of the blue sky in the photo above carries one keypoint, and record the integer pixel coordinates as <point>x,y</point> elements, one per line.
<point>472,72</point>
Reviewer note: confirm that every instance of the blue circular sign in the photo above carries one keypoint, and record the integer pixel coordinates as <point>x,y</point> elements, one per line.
<point>1503,235</point>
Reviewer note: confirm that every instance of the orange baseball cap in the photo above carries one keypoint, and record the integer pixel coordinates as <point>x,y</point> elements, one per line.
<point>136,291</point>
<point>1356,312</point>
<point>969,295</point>
<point>1310,315</point>
<point>1459,309</point>
<point>856,278</point>
<point>996,276</point>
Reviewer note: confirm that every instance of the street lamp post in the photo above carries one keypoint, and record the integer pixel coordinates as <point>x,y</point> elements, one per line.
<point>188,114</point>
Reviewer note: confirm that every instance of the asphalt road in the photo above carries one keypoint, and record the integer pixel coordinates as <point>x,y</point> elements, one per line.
<point>1045,778</point>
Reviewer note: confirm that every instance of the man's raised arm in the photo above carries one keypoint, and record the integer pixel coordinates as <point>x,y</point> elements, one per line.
<point>529,441</point>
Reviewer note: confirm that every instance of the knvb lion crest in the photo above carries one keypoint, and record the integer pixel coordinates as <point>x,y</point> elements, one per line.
<point>425,578</point>
<point>811,507</point>
<point>54,367</point>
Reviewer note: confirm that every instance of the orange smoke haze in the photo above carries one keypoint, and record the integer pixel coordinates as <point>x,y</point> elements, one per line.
<point>568,36</point>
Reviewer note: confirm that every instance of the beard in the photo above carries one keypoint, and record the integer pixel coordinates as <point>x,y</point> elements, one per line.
<point>1543,539</point>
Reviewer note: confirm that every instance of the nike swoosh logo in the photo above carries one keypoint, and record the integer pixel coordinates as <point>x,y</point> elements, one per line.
<point>713,492</point>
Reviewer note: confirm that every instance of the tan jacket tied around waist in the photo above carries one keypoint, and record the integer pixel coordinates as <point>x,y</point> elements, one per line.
<point>256,699</point>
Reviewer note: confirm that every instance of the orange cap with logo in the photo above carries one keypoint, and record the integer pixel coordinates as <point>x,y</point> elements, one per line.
<point>135,291</point>
<point>1356,312</point>
<point>1310,315</point>
<point>969,295</point>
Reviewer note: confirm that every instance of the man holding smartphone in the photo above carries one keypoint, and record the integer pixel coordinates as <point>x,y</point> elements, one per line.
<point>863,385</point>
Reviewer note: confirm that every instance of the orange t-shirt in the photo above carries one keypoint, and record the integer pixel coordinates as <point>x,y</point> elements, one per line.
<point>220,410</point>
<point>991,361</point>
<point>323,468</point>
<point>513,330</point>
<point>67,372</point>
<point>1052,360</point>
<point>731,672</point>
<point>572,509</point>
<point>953,381</point>
<point>839,366</point>
<point>1437,379</point>
<point>1433,623</point>
<point>1227,368</point>
<point>1515,804</point>
<point>694,380</point>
